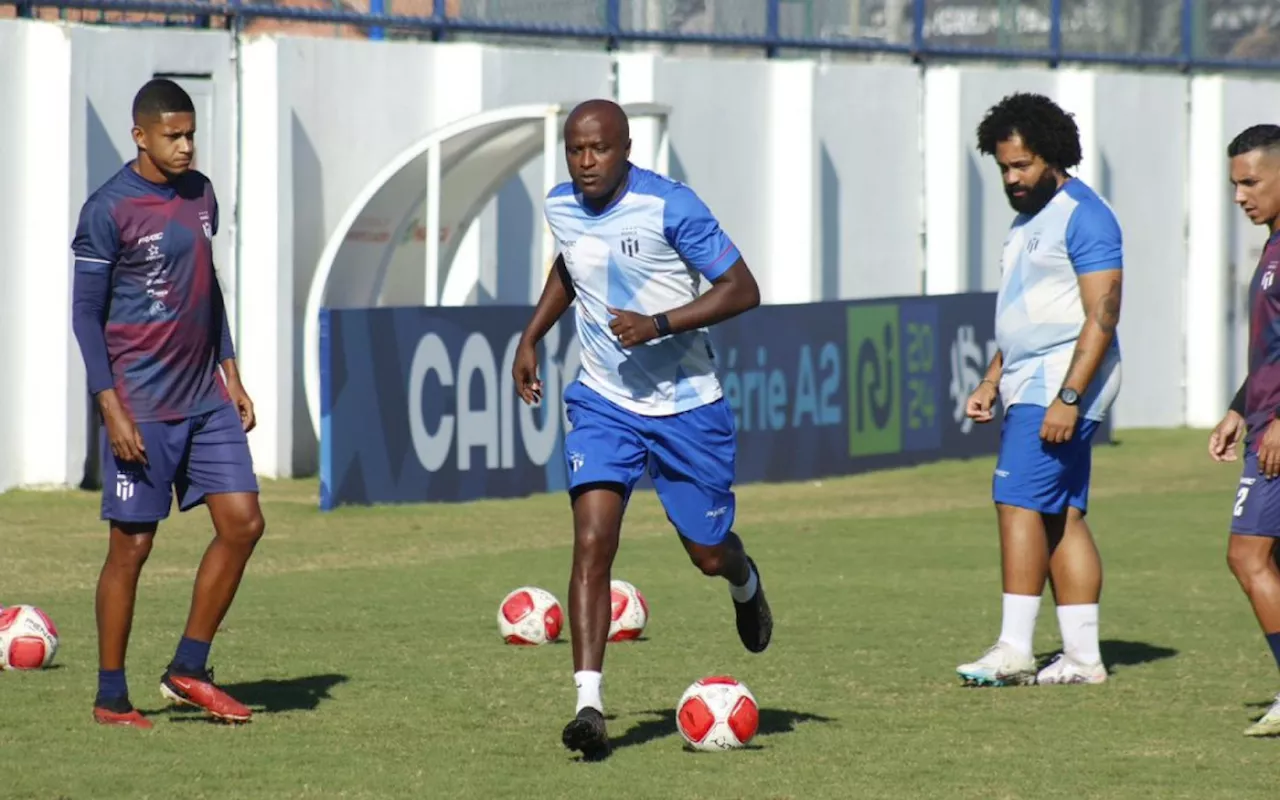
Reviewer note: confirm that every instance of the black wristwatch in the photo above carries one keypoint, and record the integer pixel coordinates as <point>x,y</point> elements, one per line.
<point>1068,396</point>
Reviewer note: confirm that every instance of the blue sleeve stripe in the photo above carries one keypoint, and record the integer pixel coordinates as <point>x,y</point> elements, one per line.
<point>721,264</point>
<point>1098,266</point>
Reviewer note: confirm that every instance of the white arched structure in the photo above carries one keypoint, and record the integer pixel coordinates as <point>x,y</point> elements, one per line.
<point>398,238</point>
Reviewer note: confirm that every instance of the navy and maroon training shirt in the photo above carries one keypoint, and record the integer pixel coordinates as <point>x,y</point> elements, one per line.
<point>145,279</point>
<point>1262,389</point>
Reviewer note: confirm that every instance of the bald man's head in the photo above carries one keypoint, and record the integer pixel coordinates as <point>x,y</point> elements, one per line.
<point>597,146</point>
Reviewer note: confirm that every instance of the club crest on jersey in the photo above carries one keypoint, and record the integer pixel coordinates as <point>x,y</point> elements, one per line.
<point>1269,277</point>
<point>630,242</point>
<point>204,224</point>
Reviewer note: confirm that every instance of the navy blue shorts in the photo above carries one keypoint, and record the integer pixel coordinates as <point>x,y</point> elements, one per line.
<point>1033,474</point>
<point>186,459</point>
<point>1256,509</point>
<point>690,457</point>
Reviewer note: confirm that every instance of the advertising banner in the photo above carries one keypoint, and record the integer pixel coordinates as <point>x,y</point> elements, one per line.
<point>418,403</point>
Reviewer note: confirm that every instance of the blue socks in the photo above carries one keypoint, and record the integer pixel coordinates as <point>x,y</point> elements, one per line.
<point>111,685</point>
<point>1273,639</point>
<point>192,656</point>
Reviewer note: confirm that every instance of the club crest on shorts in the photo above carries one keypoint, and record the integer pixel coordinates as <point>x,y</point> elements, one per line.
<point>125,485</point>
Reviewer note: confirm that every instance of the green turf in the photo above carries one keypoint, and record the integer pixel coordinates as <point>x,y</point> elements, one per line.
<point>366,640</point>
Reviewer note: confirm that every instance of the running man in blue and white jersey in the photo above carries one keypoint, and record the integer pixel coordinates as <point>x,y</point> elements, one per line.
<point>1058,372</point>
<point>634,248</point>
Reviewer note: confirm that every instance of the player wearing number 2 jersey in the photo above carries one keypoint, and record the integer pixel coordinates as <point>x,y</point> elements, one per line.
<point>1255,521</point>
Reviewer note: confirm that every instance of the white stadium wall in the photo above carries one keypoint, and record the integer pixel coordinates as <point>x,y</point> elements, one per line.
<point>318,117</point>
<point>870,181</point>
<point>52,392</point>
<point>39,397</point>
<point>838,181</point>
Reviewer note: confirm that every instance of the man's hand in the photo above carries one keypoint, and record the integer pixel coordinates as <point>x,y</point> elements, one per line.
<point>524,372</point>
<point>1269,451</point>
<point>631,328</point>
<point>123,435</point>
<point>1225,437</point>
<point>978,408</point>
<point>1059,422</point>
<point>242,403</point>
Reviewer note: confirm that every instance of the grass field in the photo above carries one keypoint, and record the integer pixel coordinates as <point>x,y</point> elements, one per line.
<point>366,641</point>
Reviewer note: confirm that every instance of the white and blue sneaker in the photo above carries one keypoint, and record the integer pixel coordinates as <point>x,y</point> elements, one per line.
<point>1001,665</point>
<point>1269,724</point>
<point>1066,670</point>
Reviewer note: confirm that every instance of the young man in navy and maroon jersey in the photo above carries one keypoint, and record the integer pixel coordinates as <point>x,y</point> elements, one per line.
<point>1255,522</point>
<point>148,314</point>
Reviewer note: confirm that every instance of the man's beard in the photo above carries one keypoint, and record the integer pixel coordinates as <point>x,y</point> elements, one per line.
<point>1036,198</point>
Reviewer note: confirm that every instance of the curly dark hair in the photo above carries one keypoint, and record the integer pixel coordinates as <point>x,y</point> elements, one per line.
<point>1045,128</point>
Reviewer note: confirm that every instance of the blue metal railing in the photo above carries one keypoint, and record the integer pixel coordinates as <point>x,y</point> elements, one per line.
<point>1209,34</point>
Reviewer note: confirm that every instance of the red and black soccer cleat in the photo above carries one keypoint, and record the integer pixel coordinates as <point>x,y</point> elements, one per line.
<point>119,711</point>
<point>198,689</point>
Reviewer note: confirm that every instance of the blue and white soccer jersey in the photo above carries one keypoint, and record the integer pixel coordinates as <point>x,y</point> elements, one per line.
<point>1039,316</point>
<point>659,404</point>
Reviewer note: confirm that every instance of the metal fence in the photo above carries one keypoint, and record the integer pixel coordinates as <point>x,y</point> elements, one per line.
<point>1178,34</point>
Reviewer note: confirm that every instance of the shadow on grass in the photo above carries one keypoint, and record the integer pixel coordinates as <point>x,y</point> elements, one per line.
<point>1263,704</point>
<point>1120,653</point>
<point>272,696</point>
<point>661,723</point>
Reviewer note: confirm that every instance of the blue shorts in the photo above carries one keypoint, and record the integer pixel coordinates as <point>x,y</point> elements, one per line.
<point>1033,474</point>
<point>186,459</point>
<point>690,457</point>
<point>1256,508</point>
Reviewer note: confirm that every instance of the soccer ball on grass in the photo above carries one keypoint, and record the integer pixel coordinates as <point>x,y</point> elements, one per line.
<point>717,713</point>
<point>28,638</point>
<point>629,613</point>
<point>530,616</point>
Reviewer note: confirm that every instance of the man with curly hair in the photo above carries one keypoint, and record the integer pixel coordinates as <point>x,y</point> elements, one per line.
<point>1057,372</point>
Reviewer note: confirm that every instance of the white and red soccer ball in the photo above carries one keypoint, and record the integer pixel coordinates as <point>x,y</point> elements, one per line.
<point>629,613</point>
<point>717,713</point>
<point>28,638</point>
<point>530,616</point>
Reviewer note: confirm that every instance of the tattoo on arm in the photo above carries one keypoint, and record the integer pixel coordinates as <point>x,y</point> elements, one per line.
<point>1093,342</point>
<point>1107,312</point>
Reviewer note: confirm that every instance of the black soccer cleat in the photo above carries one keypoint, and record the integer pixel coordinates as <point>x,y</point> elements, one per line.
<point>755,620</point>
<point>586,734</point>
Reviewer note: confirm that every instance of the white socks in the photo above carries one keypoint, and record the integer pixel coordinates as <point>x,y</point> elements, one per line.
<point>746,591</point>
<point>1079,625</point>
<point>1018,622</point>
<point>588,683</point>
